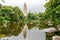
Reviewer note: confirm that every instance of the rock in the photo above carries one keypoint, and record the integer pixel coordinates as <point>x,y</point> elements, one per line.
<point>56,38</point>
<point>50,30</point>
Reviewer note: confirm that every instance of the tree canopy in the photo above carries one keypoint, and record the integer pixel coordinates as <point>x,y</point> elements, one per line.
<point>53,11</point>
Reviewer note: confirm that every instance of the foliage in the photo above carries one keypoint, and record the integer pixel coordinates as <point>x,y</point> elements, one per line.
<point>11,29</point>
<point>11,14</point>
<point>32,17</point>
<point>52,13</point>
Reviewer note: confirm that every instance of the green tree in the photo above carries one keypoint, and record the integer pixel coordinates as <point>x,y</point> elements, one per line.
<point>52,14</point>
<point>32,17</point>
<point>9,14</point>
<point>53,11</point>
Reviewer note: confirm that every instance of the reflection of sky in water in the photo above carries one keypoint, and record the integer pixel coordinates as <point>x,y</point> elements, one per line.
<point>33,34</point>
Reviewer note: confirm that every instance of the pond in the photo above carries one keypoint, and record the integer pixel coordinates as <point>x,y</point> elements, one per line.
<point>14,31</point>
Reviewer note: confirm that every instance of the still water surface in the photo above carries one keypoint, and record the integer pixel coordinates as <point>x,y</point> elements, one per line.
<point>17,34</point>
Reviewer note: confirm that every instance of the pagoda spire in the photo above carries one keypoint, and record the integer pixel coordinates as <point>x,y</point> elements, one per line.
<point>25,9</point>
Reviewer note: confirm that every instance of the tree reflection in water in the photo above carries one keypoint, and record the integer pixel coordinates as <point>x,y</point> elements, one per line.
<point>12,29</point>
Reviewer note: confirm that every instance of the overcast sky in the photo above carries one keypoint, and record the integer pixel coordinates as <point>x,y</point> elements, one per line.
<point>32,5</point>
